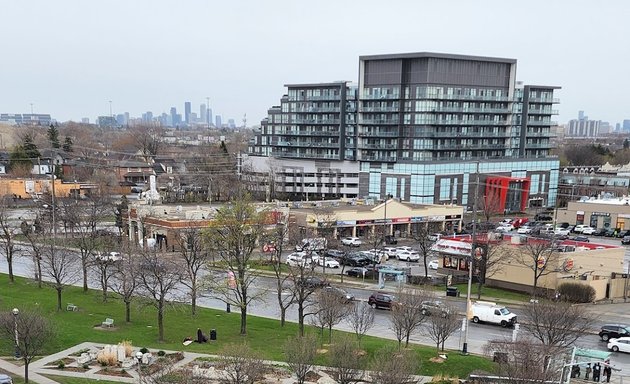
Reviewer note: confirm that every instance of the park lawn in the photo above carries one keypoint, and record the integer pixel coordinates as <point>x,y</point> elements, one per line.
<point>76,380</point>
<point>494,294</point>
<point>264,335</point>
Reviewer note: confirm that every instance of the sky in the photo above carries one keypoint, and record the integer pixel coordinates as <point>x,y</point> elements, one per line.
<point>70,58</point>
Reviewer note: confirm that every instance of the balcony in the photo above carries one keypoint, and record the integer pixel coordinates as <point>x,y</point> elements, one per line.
<point>315,121</point>
<point>538,145</point>
<point>460,122</point>
<point>379,158</point>
<point>307,144</point>
<point>540,134</point>
<point>546,100</point>
<point>377,133</point>
<point>465,135</point>
<point>542,111</point>
<point>312,98</point>
<point>394,121</point>
<point>309,133</point>
<point>539,123</point>
<point>380,97</point>
<point>379,109</point>
<point>464,147</point>
<point>423,95</point>
<point>300,155</point>
<point>317,110</point>
<point>505,110</point>
<point>377,146</point>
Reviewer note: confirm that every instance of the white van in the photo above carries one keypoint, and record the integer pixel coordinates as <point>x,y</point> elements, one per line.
<point>490,312</point>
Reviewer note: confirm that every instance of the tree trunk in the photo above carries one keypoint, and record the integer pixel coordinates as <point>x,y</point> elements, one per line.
<point>39,273</point>
<point>26,364</point>
<point>193,298</point>
<point>426,269</point>
<point>85,283</point>
<point>243,320</point>
<point>479,285</point>
<point>301,318</point>
<point>330,334</point>
<point>407,340</point>
<point>58,299</point>
<point>10,263</point>
<point>283,315</point>
<point>127,311</point>
<point>161,321</point>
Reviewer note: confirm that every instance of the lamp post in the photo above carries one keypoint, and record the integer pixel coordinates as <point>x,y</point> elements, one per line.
<point>16,312</point>
<point>139,358</point>
<point>470,261</point>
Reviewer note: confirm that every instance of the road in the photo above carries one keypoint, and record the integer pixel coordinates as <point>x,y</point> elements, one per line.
<point>479,334</point>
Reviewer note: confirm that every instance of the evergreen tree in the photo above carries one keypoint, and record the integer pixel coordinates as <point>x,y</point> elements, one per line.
<point>53,136</point>
<point>30,148</point>
<point>67,144</point>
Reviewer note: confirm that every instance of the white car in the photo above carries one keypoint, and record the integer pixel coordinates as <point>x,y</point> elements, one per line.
<point>579,228</point>
<point>504,228</point>
<point>434,264</point>
<point>328,262</point>
<point>390,251</point>
<point>111,256</point>
<point>525,230</point>
<point>408,256</point>
<point>621,344</point>
<point>588,230</point>
<point>403,249</point>
<point>351,241</point>
<point>300,259</point>
<point>561,231</point>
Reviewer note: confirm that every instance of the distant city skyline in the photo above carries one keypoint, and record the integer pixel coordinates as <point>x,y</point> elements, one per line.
<point>149,55</point>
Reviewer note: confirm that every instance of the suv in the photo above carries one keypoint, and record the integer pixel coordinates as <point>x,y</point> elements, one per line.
<point>381,300</point>
<point>433,307</point>
<point>614,331</point>
<point>390,239</point>
<point>625,240</point>
<point>351,241</point>
<point>312,282</point>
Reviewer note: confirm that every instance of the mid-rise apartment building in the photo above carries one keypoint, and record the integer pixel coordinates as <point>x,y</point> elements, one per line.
<point>416,127</point>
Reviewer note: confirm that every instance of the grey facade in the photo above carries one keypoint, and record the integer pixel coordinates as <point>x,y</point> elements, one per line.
<point>417,124</point>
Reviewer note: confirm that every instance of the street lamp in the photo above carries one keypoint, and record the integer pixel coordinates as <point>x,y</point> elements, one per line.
<point>139,358</point>
<point>16,312</point>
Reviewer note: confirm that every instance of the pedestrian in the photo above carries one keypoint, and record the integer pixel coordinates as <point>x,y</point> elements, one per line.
<point>588,371</point>
<point>607,373</point>
<point>596,372</point>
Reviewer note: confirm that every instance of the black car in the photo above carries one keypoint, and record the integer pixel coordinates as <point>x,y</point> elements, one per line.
<point>390,239</point>
<point>623,233</point>
<point>610,232</point>
<point>359,271</point>
<point>614,331</point>
<point>381,300</point>
<point>342,294</point>
<point>335,253</point>
<point>355,260</point>
<point>313,282</point>
<point>543,217</point>
<point>625,240</point>
<point>600,232</point>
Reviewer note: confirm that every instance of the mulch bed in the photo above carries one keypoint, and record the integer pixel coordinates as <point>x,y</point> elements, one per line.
<point>113,372</point>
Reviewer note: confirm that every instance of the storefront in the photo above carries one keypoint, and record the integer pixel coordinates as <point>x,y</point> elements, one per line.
<point>598,213</point>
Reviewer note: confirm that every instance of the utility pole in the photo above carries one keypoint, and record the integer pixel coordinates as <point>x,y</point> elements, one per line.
<point>470,260</point>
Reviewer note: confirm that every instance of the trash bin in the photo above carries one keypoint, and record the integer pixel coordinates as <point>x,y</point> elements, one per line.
<point>213,335</point>
<point>452,291</point>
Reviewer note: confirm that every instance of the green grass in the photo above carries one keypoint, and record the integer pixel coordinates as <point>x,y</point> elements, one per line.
<point>264,335</point>
<point>494,294</point>
<point>76,380</point>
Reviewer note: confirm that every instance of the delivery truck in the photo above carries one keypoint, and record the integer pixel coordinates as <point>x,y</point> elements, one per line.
<point>489,312</point>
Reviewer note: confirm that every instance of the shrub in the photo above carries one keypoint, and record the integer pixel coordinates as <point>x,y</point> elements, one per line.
<point>86,366</point>
<point>576,292</point>
<point>161,353</point>
<point>128,347</point>
<point>61,365</point>
<point>106,358</point>
<point>144,350</point>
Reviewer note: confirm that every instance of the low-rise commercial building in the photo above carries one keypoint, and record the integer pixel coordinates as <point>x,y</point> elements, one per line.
<point>598,212</point>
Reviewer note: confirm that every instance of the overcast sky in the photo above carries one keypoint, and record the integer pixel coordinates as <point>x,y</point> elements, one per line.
<point>69,58</point>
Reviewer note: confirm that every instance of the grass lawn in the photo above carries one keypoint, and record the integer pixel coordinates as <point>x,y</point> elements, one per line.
<point>264,335</point>
<point>494,294</point>
<point>76,380</point>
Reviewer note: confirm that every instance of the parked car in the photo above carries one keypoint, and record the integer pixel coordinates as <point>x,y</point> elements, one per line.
<point>301,259</point>
<point>614,331</point>
<point>433,264</point>
<point>434,236</point>
<point>525,229</point>
<point>564,225</point>
<point>343,294</point>
<point>408,256</point>
<point>110,256</point>
<point>561,231</point>
<point>621,344</point>
<point>588,230</point>
<point>381,300</point>
<point>312,282</point>
<point>335,253</point>
<point>610,232</point>
<point>579,228</point>
<point>434,307</point>
<point>403,248</point>
<point>355,260</point>
<point>328,262</point>
<point>5,379</point>
<point>583,239</point>
<point>351,241</point>
<point>600,232</point>
<point>504,228</point>
<point>390,239</point>
<point>357,272</point>
<point>623,233</point>
<point>625,240</point>
<point>391,251</point>
<point>543,217</point>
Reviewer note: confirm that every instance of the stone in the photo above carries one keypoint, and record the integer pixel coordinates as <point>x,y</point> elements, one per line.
<point>121,353</point>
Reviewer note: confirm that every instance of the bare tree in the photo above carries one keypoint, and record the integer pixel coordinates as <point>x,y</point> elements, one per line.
<point>441,326</point>
<point>488,260</point>
<point>361,319</point>
<point>34,235</point>
<point>557,324</point>
<point>391,366</point>
<point>147,139</point>
<point>423,245</point>
<point>126,278</point>
<point>33,333</point>
<point>106,269</point>
<point>331,309</point>
<point>300,353</point>
<point>237,228</point>
<point>241,365</point>
<point>194,255</point>
<point>526,362</point>
<point>8,233</point>
<point>301,289</point>
<point>407,314</point>
<point>281,235</point>
<point>489,205</point>
<point>60,266</point>
<point>346,361</point>
<point>158,283</point>
<point>539,256</point>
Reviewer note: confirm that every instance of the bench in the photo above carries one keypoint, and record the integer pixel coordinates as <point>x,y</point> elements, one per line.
<point>108,323</point>
<point>71,307</point>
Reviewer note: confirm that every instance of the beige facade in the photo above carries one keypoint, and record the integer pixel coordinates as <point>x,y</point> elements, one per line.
<point>32,188</point>
<point>598,213</point>
<point>399,218</point>
<point>598,265</point>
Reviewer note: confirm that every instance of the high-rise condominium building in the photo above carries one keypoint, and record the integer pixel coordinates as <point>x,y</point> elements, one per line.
<point>187,110</point>
<point>416,127</point>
